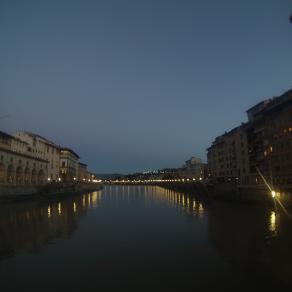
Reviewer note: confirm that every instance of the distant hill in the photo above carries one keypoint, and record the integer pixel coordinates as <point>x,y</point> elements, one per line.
<point>108,175</point>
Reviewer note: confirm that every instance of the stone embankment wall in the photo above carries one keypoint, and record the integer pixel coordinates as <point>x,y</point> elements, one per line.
<point>232,192</point>
<point>49,190</point>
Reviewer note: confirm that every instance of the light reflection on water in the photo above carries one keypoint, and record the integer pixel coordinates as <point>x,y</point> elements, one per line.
<point>186,202</point>
<point>274,223</point>
<point>142,226</point>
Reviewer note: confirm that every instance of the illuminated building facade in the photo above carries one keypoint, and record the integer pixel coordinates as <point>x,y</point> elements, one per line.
<point>82,172</point>
<point>40,147</point>
<point>17,166</point>
<point>69,164</point>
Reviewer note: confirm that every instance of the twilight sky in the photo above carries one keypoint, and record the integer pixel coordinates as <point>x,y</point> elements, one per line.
<point>137,85</point>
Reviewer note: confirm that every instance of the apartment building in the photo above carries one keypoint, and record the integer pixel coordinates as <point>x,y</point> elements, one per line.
<point>228,158</point>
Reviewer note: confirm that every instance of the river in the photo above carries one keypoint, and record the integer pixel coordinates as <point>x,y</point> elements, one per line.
<point>143,238</point>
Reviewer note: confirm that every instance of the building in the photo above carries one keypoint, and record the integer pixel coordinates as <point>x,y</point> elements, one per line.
<point>17,165</point>
<point>259,151</point>
<point>270,141</point>
<point>193,168</point>
<point>69,164</point>
<point>228,158</point>
<point>40,147</point>
<point>82,172</point>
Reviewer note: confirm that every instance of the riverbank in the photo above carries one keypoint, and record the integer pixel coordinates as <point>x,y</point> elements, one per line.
<point>232,192</point>
<point>52,190</point>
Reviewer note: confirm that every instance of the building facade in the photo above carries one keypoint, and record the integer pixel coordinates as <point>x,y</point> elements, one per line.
<point>42,148</point>
<point>69,165</point>
<point>193,168</point>
<point>270,141</point>
<point>228,158</point>
<point>17,166</point>
<point>82,172</point>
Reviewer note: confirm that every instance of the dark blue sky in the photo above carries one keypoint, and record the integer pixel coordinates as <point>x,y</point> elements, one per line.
<point>139,85</point>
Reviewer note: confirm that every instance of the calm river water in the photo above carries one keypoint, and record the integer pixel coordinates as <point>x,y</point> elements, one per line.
<point>142,238</point>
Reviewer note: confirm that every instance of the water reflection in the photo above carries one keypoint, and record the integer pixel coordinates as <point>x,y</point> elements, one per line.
<point>28,226</point>
<point>149,195</point>
<point>273,223</point>
<point>189,204</point>
<point>252,238</point>
<point>139,234</point>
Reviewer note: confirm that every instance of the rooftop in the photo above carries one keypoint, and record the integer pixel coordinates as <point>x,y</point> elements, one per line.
<point>69,150</point>
<point>40,137</point>
<point>8,136</point>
